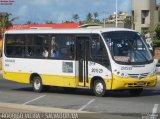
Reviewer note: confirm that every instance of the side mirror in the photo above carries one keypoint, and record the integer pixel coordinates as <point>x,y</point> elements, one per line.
<point>158,65</point>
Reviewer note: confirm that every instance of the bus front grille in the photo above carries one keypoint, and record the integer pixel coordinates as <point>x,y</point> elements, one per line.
<point>138,76</point>
<point>132,85</point>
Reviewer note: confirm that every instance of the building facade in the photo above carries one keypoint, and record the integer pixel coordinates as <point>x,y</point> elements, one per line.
<point>121,16</point>
<point>145,14</point>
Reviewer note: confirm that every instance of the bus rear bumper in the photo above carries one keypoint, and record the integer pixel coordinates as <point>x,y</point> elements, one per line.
<point>131,83</point>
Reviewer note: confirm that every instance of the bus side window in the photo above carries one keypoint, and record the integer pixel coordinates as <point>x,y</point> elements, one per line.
<point>98,51</point>
<point>54,47</point>
<point>63,47</point>
<point>36,45</point>
<point>15,45</point>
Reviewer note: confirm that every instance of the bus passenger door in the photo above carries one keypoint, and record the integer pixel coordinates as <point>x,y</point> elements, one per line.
<point>82,58</point>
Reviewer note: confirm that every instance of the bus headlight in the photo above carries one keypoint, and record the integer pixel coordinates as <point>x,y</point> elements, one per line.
<point>123,75</point>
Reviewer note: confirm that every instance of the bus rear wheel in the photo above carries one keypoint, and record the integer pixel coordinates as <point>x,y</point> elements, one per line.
<point>99,88</point>
<point>37,84</point>
<point>136,92</point>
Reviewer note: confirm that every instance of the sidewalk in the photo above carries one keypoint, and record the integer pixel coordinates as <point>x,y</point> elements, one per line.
<point>9,108</point>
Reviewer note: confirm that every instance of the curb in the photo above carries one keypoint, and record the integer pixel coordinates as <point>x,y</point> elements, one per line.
<point>10,107</point>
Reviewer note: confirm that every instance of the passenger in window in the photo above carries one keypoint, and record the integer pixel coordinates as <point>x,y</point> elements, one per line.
<point>45,53</point>
<point>29,51</point>
<point>71,56</point>
<point>54,50</point>
<point>55,54</point>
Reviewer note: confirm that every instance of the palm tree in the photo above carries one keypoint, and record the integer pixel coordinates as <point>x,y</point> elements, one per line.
<point>5,22</point>
<point>49,22</point>
<point>95,14</point>
<point>89,18</point>
<point>28,22</point>
<point>75,17</point>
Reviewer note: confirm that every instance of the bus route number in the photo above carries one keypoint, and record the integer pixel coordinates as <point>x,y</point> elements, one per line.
<point>94,70</point>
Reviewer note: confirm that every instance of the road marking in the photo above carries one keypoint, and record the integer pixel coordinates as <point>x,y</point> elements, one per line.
<point>33,100</point>
<point>154,111</point>
<point>84,106</point>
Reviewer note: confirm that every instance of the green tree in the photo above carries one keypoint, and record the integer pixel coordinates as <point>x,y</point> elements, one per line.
<point>49,22</point>
<point>89,18</point>
<point>28,22</point>
<point>156,38</point>
<point>95,14</point>
<point>75,17</point>
<point>5,22</point>
<point>127,22</point>
<point>157,30</point>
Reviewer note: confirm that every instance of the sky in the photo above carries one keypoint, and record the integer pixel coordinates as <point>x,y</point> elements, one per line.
<point>58,11</point>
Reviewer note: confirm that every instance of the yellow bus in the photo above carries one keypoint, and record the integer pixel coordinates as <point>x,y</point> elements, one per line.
<point>98,59</point>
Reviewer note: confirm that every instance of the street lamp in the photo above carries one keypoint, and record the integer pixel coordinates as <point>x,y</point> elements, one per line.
<point>116,13</point>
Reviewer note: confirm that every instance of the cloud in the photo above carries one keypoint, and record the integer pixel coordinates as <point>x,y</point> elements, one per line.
<point>60,10</point>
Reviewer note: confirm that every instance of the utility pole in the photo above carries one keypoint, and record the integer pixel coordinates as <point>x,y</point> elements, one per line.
<point>116,13</point>
<point>104,22</point>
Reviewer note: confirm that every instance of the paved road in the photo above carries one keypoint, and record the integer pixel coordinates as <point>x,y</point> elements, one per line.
<point>120,103</point>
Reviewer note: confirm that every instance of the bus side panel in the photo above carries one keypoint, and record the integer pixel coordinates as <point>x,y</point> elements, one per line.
<point>97,70</point>
<point>58,80</point>
<point>52,72</point>
<point>18,77</point>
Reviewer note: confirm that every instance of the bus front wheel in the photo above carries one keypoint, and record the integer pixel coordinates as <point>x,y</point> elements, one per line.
<point>136,92</point>
<point>99,88</point>
<point>37,84</point>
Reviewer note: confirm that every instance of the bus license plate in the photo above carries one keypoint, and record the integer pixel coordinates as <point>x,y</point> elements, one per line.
<point>140,84</point>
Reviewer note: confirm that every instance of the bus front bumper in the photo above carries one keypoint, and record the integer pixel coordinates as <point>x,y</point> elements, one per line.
<point>119,83</point>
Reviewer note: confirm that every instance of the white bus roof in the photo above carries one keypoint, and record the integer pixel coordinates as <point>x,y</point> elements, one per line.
<point>66,31</point>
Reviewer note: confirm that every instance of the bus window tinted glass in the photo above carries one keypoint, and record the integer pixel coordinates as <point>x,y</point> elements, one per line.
<point>98,51</point>
<point>15,45</point>
<point>27,45</point>
<point>62,47</point>
<point>127,46</point>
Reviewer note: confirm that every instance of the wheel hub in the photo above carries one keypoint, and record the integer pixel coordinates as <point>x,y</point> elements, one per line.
<point>99,88</point>
<point>37,84</point>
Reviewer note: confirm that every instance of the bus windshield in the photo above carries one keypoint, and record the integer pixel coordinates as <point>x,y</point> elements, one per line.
<point>127,47</point>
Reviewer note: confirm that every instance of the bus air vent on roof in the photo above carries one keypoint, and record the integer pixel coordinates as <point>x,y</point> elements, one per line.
<point>90,26</point>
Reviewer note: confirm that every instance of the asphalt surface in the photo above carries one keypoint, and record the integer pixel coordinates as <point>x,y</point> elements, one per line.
<point>117,103</point>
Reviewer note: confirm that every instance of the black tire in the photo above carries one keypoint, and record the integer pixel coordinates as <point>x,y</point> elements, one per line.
<point>136,92</point>
<point>99,88</point>
<point>37,84</point>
